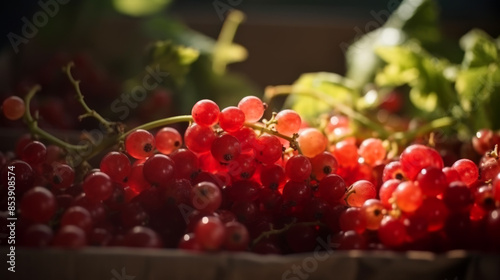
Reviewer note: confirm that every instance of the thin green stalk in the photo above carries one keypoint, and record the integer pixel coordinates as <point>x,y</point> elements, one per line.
<point>159,123</point>
<point>288,89</point>
<point>32,124</point>
<point>292,140</point>
<point>433,125</point>
<point>88,112</point>
<point>225,41</point>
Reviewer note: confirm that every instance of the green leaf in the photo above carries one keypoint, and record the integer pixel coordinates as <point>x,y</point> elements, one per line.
<point>413,19</point>
<point>410,64</point>
<point>478,80</point>
<point>426,101</point>
<point>480,49</point>
<point>161,27</point>
<point>174,59</point>
<point>473,85</point>
<point>333,85</point>
<point>418,19</point>
<point>139,8</point>
<point>479,91</point>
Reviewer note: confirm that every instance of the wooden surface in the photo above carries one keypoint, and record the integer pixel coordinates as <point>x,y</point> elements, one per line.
<point>147,264</point>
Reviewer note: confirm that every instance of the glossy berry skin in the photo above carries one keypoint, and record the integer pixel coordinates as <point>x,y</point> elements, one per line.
<point>116,165</point>
<point>13,108</point>
<point>225,148</point>
<point>416,227</point>
<point>237,237</point>
<point>205,112</point>
<point>298,168</point>
<point>159,169</point>
<point>288,122</point>
<point>272,176</point>
<point>70,237</point>
<point>231,119</point>
<point>416,157</point>
<point>353,219</point>
<point>372,151</point>
<point>167,140</point>
<point>458,197</point>
<point>243,190</point>
<point>252,107</point>
<point>246,136</point>
<point>140,144</point>
<point>489,168</point>
<point>210,233</point>
<point>332,188</point>
<point>451,175</point>
<point>484,140</point>
<point>392,170</point>
<point>34,153</point>
<point>243,167</point>
<point>199,138</point>
<point>496,187</point>
<point>323,164</point>
<point>467,170</point>
<point>386,190</point>
<point>346,154</point>
<point>392,232</point>
<point>312,142</point>
<point>373,212</point>
<point>142,237</point>
<point>186,164</point>
<point>77,216</point>
<point>493,228</point>
<point>432,181</point>
<point>484,198</point>
<point>408,196</point>
<point>61,176</point>
<point>434,211</point>
<point>136,180</point>
<point>359,192</point>
<point>38,205</point>
<point>206,197</point>
<point>268,149</point>
<point>190,243</point>
<point>98,186</point>
<point>296,193</point>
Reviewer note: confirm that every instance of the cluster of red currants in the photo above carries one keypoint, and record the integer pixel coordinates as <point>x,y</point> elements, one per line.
<point>235,182</point>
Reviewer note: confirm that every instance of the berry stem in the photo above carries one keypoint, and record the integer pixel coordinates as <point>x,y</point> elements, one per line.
<point>225,41</point>
<point>407,136</point>
<point>89,112</point>
<point>159,123</point>
<point>272,231</point>
<point>189,118</point>
<point>32,124</point>
<point>292,140</point>
<point>273,91</point>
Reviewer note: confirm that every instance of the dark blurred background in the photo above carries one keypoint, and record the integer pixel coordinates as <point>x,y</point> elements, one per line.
<point>285,38</point>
